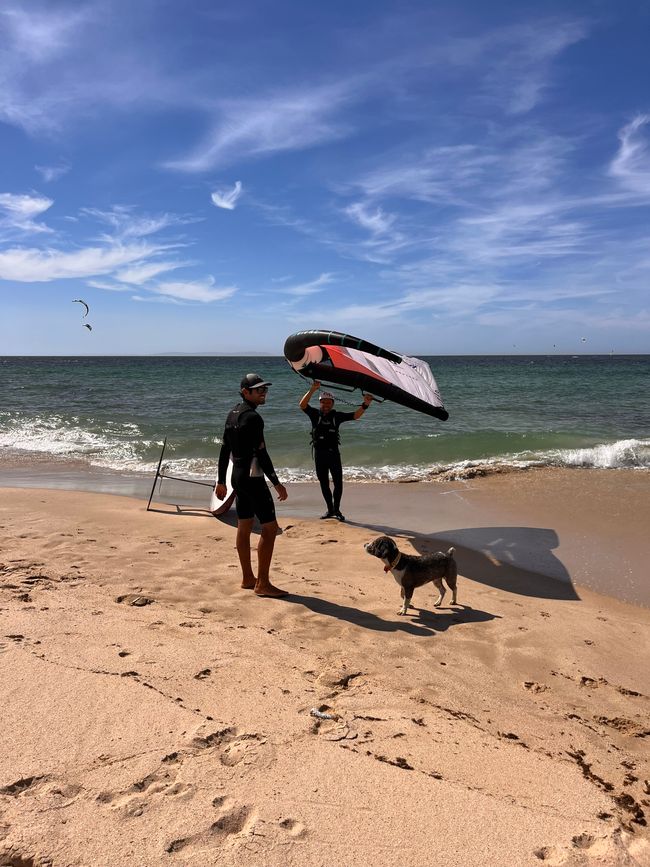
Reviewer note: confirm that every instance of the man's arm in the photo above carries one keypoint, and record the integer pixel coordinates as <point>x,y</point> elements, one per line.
<point>367,400</point>
<point>304,402</point>
<point>224,457</point>
<point>263,457</point>
<point>266,465</point>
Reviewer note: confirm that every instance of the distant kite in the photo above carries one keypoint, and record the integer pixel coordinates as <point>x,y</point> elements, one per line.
<point>79,301</point>
<point>89,327</point>
<point>584,339</point>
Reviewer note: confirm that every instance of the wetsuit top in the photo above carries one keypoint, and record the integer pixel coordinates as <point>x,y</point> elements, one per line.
<point>243,438</point>
<point>325,427</point>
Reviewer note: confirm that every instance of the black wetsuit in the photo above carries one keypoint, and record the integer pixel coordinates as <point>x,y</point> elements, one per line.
<point>243,439</point>
<point>327,457</point>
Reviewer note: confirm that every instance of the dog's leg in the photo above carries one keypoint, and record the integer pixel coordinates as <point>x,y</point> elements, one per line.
<point>452,576</point>
<point>405,604</point>
<point>441,590</point>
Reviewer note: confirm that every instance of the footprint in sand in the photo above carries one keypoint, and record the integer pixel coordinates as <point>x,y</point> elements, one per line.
<point>532,686</point>
<point>293,827</point>
<point>15,856</point>
<point>236,820</point>
<point>26,784</point>
<point>220,801</point>
<point>244,749</point>
<point>145,793</point>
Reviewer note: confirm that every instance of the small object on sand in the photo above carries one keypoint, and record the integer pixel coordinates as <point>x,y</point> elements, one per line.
<point>132,599</point>
<point>319,714</point>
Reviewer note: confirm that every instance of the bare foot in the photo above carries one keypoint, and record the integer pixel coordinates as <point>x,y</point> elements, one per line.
<point>248,585</point>
<point>270,590</point>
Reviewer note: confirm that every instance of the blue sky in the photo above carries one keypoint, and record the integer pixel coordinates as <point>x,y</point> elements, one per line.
<point>441,178</point>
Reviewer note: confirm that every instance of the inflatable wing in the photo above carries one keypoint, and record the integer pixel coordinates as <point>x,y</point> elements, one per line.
<point>332,357</point>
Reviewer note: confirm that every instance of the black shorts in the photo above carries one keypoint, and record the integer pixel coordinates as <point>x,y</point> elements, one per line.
<point>253,498</point>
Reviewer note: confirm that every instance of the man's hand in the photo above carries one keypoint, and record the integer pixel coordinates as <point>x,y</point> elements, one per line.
<point>220,491</point>
<point>281,491</point>
<point>367,399</point>
<point>314,386</point>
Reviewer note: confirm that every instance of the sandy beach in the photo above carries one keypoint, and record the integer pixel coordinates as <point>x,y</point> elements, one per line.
<point>511,729</point>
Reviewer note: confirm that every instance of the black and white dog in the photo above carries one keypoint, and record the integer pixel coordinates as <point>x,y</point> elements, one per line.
<point>410,571</point>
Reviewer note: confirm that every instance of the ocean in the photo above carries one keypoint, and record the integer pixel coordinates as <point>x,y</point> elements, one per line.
<point>113,413</point>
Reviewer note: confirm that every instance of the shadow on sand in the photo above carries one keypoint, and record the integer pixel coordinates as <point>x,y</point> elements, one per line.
<point>514,559</point>
<point>426,623</point>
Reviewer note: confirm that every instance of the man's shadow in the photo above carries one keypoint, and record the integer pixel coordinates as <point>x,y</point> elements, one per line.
<point>517,560</point>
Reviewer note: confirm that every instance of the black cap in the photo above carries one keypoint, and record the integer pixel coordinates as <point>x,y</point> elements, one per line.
<point>253,380</point>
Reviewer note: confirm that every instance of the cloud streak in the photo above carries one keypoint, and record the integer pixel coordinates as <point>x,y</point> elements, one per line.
<point>286,121</point>
<point>631,165</point>
<point>21,211</point>
<point>313,287</point>
<point>125,259</point>
<point>52,173</point>
<point>196,290</point>
<point>24,265</point>
<point>227,199</point>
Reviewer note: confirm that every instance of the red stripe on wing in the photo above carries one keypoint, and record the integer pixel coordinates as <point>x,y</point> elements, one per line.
<point>342,360</point>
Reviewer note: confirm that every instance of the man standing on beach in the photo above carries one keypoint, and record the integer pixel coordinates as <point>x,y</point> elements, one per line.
<point>325,439</point>
<point>243,439</point>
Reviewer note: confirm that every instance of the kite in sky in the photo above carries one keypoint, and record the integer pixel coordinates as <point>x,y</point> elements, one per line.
<point>79,301</point>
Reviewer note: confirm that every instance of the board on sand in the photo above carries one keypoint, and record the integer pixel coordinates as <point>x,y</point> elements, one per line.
<point>220,507</point>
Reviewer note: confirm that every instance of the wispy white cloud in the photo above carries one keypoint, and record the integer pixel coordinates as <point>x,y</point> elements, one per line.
<point>109,287</point>
<point>516,61</point>
<point>21,211</point>
<point>53,173</point>
<point>31,265</point>
<point>173,292</point>
<point>631,165</point>
<point>227,199</point>
<point>376,221</point>
<point>444,173</point>
<point>127,223</point>
<point>286,121</point>
<point>142,272</point>
<point>61,65</point>
<point>122,259</point>
<point>313,287</point>
<point>34,41</point>
<point>197,290</point>
<point>39,34</point>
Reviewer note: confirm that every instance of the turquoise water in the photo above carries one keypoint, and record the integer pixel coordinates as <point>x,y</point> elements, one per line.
<point>590,411</point>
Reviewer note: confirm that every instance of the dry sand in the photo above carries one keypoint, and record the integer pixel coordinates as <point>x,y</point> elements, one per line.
<point>512,729</point>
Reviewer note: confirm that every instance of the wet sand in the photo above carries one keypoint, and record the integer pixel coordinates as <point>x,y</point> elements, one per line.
<point>582,527</point>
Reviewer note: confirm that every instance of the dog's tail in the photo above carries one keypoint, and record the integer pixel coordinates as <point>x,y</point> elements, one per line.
<point>452,571</point>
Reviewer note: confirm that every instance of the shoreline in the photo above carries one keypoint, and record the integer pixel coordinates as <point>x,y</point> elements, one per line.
<point>582,528</point>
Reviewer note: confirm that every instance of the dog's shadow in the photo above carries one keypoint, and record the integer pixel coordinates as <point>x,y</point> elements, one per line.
<point>443,618</point>
<point>422,623</point>
<point>517,560</point>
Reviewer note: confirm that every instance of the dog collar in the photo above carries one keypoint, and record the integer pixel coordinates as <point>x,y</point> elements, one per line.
<point>394,563</point>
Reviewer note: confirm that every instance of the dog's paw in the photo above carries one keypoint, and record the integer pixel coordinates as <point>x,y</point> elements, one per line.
<point>402,611</point>
<point>438,602</point>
